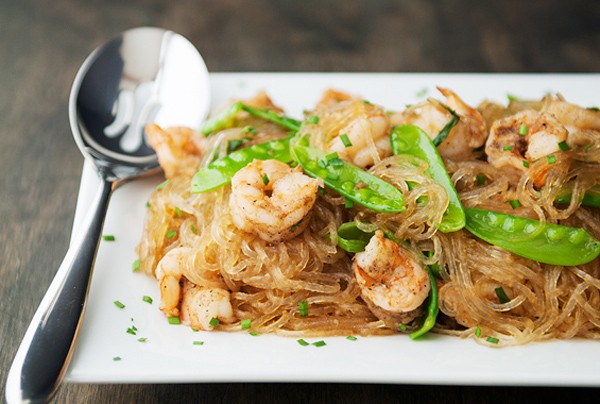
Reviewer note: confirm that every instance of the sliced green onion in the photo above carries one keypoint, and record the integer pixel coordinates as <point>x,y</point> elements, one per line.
<point>319,343</point>
<point>174,320</point>
<point>170,233</point>
<point>193,229</point>
<point>198,343</point>
<point>331,156</point>
<point>492,340</point>
<point>514,203</point>
<point>135,266</point>
<point>303,342</point>
<point>336,162</point>
<point>177,211</point>
<point>551,159</point>
<point>131,331</point>
<point>254,333</point>
<point>351,338</point>
<point>345,140</point>
<point>147,204</point>
<point>523,130</point>
<point>249,129</point>
<point>313,120</point>
<point>143,339</point>
<point>246,323</point>
<point>116,358</point>
<point>366,102</point>
<point>303,308</point>
<point>147,299</point>
<point>119,304</point>
<point>265,179</point>
<point>402,327</point>
<point>477,332</point>
<point>501,295</point>
<point>162,185</point>
<point>511,97</point>
<point>480,179</point>
<point>509,147</point>
<point>525,163</point>
<point>108,237</point>
<point>448,127</point>
<point>214,322</point>
<point>348,204</point>
<point>563,146</point>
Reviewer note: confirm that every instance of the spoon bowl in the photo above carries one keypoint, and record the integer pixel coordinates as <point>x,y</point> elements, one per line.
<point>144,75</point>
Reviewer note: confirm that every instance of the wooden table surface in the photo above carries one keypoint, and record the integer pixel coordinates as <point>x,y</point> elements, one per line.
<point>43,43</point>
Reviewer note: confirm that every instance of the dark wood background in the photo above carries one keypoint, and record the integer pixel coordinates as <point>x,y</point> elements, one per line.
<point>42,44</point>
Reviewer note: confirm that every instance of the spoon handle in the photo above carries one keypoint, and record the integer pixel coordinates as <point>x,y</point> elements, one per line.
<point>45,352</point>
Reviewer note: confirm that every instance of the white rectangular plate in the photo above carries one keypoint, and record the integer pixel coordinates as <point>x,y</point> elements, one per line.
<point>169,354</point>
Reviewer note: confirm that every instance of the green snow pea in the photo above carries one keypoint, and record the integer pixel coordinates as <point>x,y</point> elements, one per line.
<point>409,139</point>
<point>591,197</point>
<point>433,309</point>
<point>354,183</point>
<point>550,244</point>
<point>352,239</point>
<point>220,172</point>
<point>226,118</point>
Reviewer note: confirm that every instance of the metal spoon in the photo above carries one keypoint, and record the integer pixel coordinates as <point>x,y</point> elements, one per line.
<point>144,75</point>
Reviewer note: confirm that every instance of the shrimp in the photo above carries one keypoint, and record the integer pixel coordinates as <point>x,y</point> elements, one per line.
<point>572,116</point>
<point>179,149</point>
<point>431,116</point>
<point>168,273</point>
<point>200,305</point>
<point>272,200</point>
<point>355,129</point>
<point>506,147</point>
<point>390,277</point>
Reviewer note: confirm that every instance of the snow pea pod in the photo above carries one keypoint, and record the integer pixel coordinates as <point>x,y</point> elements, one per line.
<point>226,118</point>
<point>551,244</point>
<point>352,239</point>
<point>409,139</point>
<point>433,309</point>
<point>354,183</point>
<point>220,172</point>
<point>591,197</point>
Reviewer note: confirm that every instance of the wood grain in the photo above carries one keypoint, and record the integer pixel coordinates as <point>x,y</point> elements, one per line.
<point>44,42</point>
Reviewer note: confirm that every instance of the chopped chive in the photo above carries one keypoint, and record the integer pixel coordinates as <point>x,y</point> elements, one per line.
<point>501,295</point>
<point>514,203</point>
<point>143,339</point>
<point>134,328</point>
<point>108,237</point>
<point>147,299</point>
<point>313,120</point>
<point>162,185</point>
<point>525,163</point>
<point>303,308</point>
<point>480,179</point>
<point>477,332</point>
<point>321,191</point>
<point>116,358</point>
<point>492,340</point>
<point>345,140</point>
<point>194,329</point>
<point>214,322</point>
<point>119,304</point>
<point>147,204</point>
<point>135,266</point>
<point>505,148</point>
<point>198,343</point>
<point>322,163</point>
<point>421,92</point>
<point>351,338</point>
<point>174,320</point>
<point>303,342</point>
<point>265,179</point>
<point>249,129</point>
<point>254,333</point>
<point>193,229</point>
<point>177,211</point>
<point>523,130</point>
<point>402,327</point>
<point>170,233</point>
<point>348,204</point>
<point>366,102</point>
<point>319,343</point>
<point>331,156</point>
<point>131,331</point>
<point>511,98</point>
<point>336,162</point>
<point>551,159</point>
<point>563,146</point>
<point>246,323</point>
<point>595,109</point>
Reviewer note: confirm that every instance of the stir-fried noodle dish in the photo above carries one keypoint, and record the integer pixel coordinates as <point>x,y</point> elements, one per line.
<point>474,221</point>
